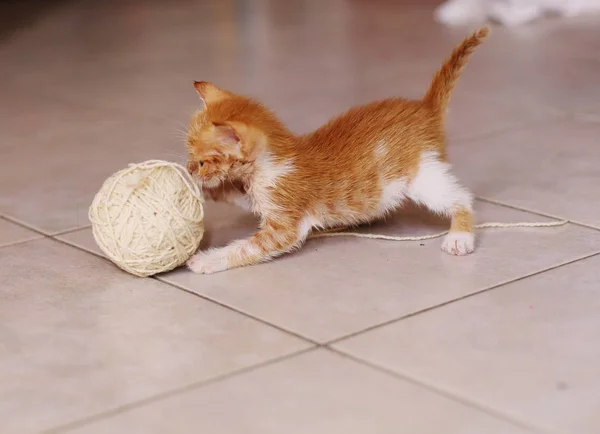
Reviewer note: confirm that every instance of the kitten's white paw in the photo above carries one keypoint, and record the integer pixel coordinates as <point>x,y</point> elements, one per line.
<point>459,243</point>
<point>208,262</point>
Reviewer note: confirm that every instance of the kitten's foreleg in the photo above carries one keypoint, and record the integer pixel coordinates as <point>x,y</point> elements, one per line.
<point>272,240</point>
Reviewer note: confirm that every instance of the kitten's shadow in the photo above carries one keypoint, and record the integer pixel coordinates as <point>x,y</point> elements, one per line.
<point>411,219</point>
<point>225,223</point>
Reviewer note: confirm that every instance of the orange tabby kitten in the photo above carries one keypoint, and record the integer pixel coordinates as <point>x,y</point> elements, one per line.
<point>354,169</point>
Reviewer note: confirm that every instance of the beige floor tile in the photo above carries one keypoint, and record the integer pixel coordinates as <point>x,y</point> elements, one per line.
<point>589,115</point>
<point>549,168</point>
<point>338,286</point>
<point>528,349</point>
<point>318,392</point>
<point>52,191</point>
<point>80,337</point>
<point>473,114</point>
<point>11,233</point>
<point>30,121</point>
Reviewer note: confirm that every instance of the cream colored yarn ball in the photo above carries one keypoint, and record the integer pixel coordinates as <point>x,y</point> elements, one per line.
<point>148,218</point>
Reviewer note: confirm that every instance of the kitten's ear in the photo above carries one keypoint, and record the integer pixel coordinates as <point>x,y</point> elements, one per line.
<point>209,93</point>
<point>241,139</point>
<point>227,136</point>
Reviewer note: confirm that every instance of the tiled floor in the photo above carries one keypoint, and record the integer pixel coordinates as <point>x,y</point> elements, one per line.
<point>346,336</point>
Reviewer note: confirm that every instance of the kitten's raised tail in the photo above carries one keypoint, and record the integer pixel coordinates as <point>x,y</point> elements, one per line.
<point>444,80</point>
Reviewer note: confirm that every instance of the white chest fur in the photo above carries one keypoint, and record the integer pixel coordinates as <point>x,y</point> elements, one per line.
<point>268,174</point>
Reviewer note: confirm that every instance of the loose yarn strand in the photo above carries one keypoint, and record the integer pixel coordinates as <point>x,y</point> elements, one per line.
<point>489,225</point>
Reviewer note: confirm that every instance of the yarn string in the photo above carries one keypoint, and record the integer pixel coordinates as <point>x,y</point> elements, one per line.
<point>489,225</point>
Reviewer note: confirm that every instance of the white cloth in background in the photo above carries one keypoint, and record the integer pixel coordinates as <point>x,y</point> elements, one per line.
<point>509,12</point>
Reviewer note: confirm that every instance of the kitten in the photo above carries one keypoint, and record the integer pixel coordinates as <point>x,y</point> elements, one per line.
<point>356,168</point>
<point>510,12</point>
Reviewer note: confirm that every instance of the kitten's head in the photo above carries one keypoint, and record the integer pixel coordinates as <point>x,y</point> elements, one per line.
<point>226,136</point>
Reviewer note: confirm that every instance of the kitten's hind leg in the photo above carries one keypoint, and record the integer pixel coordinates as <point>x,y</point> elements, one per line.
<point>435,187</point>
<point>273,239</point>
<point>461,238</point>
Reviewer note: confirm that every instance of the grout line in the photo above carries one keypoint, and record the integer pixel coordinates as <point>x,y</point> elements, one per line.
<point>246,314</point>
<point>70,231</point>
<point>446,303</point>
<point>39,231</point>
<point>39,235</point>
<point>24,225</point>
<point>21,241</point>
<point>540,213</point>
<point>445,393</point>
<point>169,394</point>
<point>81,248</point>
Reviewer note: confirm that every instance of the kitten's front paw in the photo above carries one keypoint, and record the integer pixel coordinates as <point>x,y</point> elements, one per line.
<point>208,262</point>
<point>459,243</point>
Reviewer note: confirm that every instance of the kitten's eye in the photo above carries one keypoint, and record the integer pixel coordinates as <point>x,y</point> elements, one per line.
<point>201,163</point>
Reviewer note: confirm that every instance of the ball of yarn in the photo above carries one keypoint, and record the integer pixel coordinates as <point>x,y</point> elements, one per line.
<point>148,218</point>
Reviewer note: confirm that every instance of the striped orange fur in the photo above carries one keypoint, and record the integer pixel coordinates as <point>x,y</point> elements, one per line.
<point>356,168</point>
